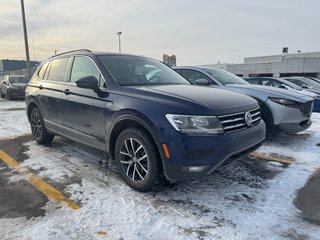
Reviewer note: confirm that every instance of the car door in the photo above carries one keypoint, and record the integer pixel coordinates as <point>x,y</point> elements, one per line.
<point>51,85</point>
<point>85,110</point>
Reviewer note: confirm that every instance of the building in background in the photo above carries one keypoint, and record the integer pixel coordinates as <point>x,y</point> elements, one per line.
<point>282,65</point>
<point>169,60</point>
<point>10,66</point>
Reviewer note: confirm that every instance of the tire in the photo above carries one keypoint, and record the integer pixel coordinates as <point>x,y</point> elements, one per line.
<point>8,96</point>
<point>39,132</point>
<point>137,160</point>
<point>1,94</point>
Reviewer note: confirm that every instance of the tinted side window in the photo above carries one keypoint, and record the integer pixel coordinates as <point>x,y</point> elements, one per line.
<point>276,83</point>
<point>178,71</point>
<point>58,69</point>
<point>253,81</point>
<point>299,83</point>
<point>43,70</point>
<point>83,67</point>
<point>192,75</point>
<point>267,82</point>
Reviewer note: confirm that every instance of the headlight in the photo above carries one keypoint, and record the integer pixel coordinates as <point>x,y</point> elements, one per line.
<point>195,125</point>
<point>283,101</point>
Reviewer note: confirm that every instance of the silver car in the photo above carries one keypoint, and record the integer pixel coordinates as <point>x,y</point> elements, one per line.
<point>282,110</point>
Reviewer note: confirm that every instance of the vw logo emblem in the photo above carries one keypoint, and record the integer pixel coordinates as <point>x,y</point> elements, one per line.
<point>248,118</point>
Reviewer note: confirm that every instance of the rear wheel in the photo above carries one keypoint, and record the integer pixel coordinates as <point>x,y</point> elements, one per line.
<point>8,96</point>
<point>137,159</point>
<point>39,132</point>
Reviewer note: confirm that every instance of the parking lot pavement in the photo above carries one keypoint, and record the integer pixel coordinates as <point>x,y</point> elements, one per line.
<point>253,198</point>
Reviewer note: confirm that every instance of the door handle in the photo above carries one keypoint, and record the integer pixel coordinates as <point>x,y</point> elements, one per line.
<point>40,87</point>
<point>67,92</point>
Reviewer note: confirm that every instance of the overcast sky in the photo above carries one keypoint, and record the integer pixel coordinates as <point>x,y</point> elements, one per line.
<point>197,32</point>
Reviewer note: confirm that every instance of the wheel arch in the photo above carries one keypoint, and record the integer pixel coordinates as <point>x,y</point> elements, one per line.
<point>31,105</point>
<point>267,115</point>
<point>135,120</point>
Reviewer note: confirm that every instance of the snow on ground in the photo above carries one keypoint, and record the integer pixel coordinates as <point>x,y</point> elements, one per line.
<point>5,104</point>
<point>250,199</point>
<point>13,119</point>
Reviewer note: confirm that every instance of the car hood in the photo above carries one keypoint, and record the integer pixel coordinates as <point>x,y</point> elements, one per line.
<point>264,92</point>
<point>195,99</point>
<point>313,90</point>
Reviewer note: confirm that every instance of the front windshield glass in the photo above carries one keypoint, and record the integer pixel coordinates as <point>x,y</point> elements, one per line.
<point>225,77</point>
<point>140,71</point>
<point>15,79</point>
<point>290,84</point>
<point>311,82</point>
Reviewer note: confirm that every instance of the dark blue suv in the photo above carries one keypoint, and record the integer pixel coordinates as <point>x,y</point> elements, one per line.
<point>149,119</point>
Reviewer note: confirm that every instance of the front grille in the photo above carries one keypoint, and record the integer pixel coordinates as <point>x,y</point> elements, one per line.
<point>305,108</point>
<point>236,122</point>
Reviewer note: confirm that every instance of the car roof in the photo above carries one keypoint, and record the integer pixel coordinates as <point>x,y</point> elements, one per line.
<point>89,52</point>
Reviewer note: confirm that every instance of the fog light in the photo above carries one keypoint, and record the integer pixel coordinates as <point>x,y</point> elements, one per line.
<point>192,168</point>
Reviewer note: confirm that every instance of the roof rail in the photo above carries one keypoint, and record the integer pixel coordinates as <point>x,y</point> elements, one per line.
<point>77,50</point>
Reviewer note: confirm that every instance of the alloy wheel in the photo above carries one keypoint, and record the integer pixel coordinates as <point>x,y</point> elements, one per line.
<point>134,160</point>
<point>36,125</point>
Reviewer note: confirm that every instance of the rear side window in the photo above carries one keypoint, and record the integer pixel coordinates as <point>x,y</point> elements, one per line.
<point>43,70</point>
<point>267,82</point>
<point>253,81</point>
<point>58,69</point>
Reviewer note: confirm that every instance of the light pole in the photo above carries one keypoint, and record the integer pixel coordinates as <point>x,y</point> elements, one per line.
<point>119,34</point>
<point>26,45</point>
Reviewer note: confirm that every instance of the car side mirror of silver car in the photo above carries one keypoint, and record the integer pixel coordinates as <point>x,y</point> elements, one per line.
<point>305,86</point>
<point>282,86</point>
<point>202,81</point>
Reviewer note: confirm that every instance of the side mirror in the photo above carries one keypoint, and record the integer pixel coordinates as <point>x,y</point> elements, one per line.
<point>282,86</point>
<point>202,81</point>
<point>305,86</point>
<point>89,82</point>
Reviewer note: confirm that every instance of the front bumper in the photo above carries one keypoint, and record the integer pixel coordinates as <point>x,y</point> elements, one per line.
<point>289,119</point>
<point>208,152</point>
<point>316,107</point>
<point>17,93</point>
<point>293,127</point>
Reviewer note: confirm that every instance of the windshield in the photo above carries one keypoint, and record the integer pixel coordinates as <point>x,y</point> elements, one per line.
<point>139,71</point>
<point>310,82</point>
<point>225,77</point>
<point>290,84</point>
<point>16,79</point>
<point>304,82</point>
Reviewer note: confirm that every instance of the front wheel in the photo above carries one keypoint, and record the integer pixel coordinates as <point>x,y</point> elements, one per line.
<point>39,132</point>
<point>137,159</point>
<point>8,96</point>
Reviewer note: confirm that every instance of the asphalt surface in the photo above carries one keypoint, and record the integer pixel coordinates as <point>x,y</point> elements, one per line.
<point>308,199</point>
<point>18,197</point>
